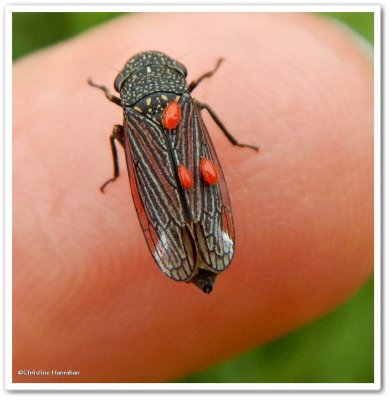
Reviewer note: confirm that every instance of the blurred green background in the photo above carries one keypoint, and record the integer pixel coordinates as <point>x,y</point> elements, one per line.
<point>336,348</point>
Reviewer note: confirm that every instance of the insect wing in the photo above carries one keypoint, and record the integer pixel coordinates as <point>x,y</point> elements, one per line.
<point>155,191</point>
<point>209,204</point>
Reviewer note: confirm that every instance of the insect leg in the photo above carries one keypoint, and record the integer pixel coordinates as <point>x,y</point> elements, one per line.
<point>208,74</point>
<point>118,133</point>
<point>107,93</point>
<point>223,128</point>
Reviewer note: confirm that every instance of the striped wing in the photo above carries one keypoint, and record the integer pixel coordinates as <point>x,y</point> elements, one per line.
<point>155,191</point>
<point>185,229</point>
<point>209,204</point>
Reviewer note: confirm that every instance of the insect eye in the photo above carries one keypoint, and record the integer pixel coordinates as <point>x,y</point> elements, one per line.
<point>177,66</point>
<point>119,80</point>
<point>182,69</point>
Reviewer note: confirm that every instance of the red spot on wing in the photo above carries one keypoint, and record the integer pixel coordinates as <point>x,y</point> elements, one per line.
<point>185,177</point>
<point>209,171</point>
<point>172,115</point>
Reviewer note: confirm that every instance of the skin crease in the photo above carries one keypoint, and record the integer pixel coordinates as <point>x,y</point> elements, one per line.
<point>87,295</point>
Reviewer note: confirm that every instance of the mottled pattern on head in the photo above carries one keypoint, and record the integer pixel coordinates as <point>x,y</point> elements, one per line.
<point>148,73</point>
<point>146,58</point>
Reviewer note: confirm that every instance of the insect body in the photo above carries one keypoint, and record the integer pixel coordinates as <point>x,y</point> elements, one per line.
<point>176,180</point>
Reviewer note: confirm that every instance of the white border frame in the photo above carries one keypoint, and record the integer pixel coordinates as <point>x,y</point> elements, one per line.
<point>217,7</point>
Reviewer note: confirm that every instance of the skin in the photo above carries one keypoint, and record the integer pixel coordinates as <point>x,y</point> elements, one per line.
<point>87,295</point>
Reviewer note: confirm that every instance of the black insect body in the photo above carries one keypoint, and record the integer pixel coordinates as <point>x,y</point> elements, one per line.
<point>176,180</point>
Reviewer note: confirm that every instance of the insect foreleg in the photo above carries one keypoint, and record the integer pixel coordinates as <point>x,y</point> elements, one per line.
<point>216,119</point>
<point>208,74</point>
<point>118,134</point>
<point>107,93</point>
